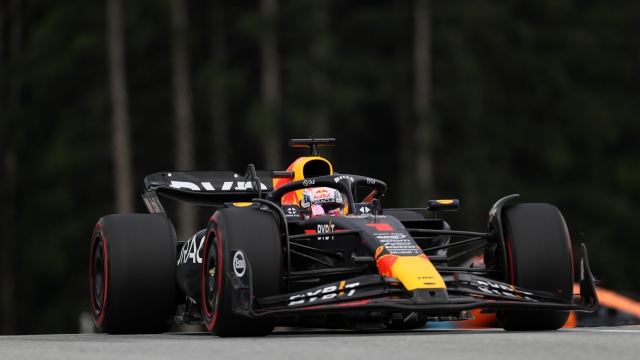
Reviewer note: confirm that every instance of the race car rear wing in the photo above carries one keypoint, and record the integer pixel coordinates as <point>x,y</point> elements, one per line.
<point>214,188</point>
<point>209,188</point>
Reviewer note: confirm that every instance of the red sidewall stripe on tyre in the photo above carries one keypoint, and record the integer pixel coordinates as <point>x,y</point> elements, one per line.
<point>570,247</point>
<point>98,315</point>
<point>220,270</point>
<point>512,278</point>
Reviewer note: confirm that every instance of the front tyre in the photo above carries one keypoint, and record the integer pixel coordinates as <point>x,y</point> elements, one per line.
<point>539,258</point>
<point>132,274</point>
<point>256,233</point>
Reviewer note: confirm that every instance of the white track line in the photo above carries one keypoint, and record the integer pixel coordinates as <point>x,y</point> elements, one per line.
<point>636,330</point>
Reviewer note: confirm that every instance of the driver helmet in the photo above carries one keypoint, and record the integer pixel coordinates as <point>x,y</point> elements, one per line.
<point>322,201</point>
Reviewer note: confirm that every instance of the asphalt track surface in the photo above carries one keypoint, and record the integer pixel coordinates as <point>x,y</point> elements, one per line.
<point>606,343</point>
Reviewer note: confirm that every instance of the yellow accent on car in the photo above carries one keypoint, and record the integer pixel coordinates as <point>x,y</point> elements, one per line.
<point>415,272</point>
<point>242,204</point>
<point>378,251</point>
<point>445,202</point>
<point>297,167</point>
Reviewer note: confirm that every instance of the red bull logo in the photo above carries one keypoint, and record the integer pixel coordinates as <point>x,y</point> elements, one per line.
<point>385,263</point>
<point>321,194</point>
<point>414,272</point>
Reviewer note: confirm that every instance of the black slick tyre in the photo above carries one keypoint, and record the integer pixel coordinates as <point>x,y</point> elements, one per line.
<point>132,274</point>
<point>257,234</point>
<point>538,257</point>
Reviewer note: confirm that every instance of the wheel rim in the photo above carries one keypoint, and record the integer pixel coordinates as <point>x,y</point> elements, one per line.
<point>98,276</point>
<point>211,281</point>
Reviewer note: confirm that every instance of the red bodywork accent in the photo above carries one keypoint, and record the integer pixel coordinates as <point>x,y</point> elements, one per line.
<point>510,255</point>
<point>99,314</point>
<point>381,226</point>
<point>220,270</point>
<point>370,197</point>
<point>355,303</point>
<point>385,263</point>
<point>316,306</point>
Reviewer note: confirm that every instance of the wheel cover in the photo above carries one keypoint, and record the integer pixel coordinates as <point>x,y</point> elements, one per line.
<point>211,279</point>
<point>98,276</point>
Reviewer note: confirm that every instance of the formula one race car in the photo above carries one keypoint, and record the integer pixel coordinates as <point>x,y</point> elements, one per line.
<point>267,259</point>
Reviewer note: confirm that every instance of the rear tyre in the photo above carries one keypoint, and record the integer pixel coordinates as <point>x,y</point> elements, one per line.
<point>256,233</point>
<point>133,274</point>
<point>539,258</point>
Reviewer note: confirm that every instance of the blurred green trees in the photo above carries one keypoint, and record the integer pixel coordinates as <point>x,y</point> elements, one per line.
<point>540,98</point>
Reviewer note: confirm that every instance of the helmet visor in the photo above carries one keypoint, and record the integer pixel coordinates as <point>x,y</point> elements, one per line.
<point>326,209</point>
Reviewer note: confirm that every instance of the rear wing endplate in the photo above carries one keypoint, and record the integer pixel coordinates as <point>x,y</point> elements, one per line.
<point>209,188</point>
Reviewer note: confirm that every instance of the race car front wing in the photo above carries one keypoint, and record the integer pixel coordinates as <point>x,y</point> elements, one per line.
<point>377,293</point>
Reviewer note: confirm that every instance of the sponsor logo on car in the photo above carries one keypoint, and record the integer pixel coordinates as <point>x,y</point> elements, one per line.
<point>226,186</point>
<point>391,237</point>
<point>325,201</point>
<point>323,228</point>
<point>291,211</point>
<point>338,178</point>
<point>325,293</point>
<point>502,289</point>
<point>309,182</point>
<point>153,203</point>
<point>364,210</point>
<point>191,251</point>
<point>239,265</point>
<point>321,194</point>
<point>371,181</point>
<point>402,249</point>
